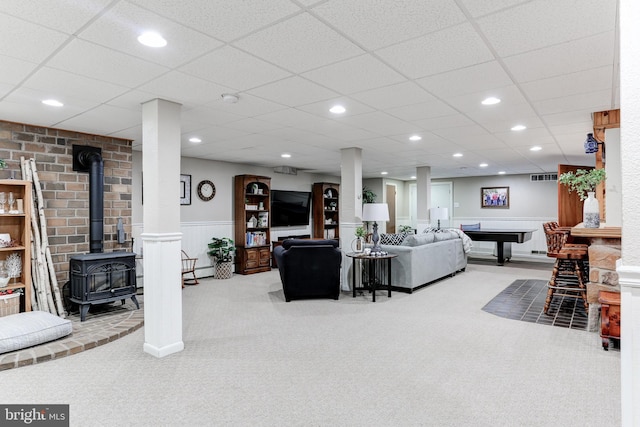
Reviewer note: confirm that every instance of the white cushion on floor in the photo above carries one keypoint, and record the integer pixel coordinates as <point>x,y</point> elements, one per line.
<point>31,328</point>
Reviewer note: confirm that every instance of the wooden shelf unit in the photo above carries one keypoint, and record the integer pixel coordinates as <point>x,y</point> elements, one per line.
<point>18,226</point>
<point>326,212</point>
<point>252,198</point>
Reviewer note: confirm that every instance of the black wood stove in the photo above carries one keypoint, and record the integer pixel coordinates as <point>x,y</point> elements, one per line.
<point>101,278</point>
<point>98,277</point>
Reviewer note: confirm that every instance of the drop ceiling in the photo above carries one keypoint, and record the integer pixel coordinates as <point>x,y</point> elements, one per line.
<point>400,68</point>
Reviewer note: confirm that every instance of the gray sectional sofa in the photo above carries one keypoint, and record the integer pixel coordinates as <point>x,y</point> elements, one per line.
<point>427,257</point>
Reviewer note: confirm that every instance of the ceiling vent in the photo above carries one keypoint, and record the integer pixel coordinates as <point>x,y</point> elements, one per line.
<point>543,177</point>
<point>287,170</point>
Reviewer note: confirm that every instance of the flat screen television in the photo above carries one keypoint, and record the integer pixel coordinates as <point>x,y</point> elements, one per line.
<point>290,208</point>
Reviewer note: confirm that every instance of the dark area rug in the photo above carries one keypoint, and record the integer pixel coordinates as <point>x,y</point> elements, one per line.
<point>524,300</point>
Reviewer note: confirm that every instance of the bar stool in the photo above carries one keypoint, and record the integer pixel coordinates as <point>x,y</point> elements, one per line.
<point>571,266</point>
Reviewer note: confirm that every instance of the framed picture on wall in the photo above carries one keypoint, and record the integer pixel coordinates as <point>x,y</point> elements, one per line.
<point>494,197</point>
<point>185,189</point>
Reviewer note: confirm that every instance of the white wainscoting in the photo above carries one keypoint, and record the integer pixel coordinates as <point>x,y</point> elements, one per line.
<point>195,238</point>
<point>537,246</point>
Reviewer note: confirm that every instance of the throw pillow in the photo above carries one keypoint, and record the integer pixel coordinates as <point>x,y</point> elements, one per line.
<point>392,239</point>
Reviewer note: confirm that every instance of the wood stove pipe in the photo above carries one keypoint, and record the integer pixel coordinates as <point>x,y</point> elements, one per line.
<point>89,159</point>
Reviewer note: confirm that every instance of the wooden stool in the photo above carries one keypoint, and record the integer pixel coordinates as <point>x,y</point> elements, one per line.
<point>610,316</point>
<point>570,261</point>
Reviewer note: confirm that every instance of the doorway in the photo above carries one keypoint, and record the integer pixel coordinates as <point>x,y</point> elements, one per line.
<point>442,197</point>
<point>391,203</point>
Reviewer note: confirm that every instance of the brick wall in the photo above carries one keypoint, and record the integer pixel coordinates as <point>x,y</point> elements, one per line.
<point>66,192</point>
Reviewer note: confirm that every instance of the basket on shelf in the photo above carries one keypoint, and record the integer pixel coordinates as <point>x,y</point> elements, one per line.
<point>9,304</point>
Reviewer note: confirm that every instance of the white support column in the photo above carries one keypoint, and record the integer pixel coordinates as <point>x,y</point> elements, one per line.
<point>423,183</point>
<point>161,238</point>
<point>629,264</point>
<point>350,205</point>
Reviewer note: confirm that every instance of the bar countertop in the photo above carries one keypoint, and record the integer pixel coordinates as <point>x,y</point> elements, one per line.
<point>603,231</point>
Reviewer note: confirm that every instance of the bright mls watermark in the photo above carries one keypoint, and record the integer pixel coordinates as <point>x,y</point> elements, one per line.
<point>34,415</point>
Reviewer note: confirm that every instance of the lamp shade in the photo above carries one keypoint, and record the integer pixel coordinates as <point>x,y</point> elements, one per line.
<point>439,214</point>
<point>375,212</point>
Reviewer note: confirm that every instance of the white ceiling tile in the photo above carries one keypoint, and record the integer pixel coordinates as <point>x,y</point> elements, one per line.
<point>564,58</point>
<point>595,101</point>
<point>231,67</point>
<point>223,19</point>
<point>322,108</point>
<point>443,122</point>
<point>286,43</point>
<point>105,64</point>
<point>376,24</point>
<point>210,116</point>
<point>247,105</point>
<point>381,123</point>
<point>398,95</point>
<point>484,7</point>
<point>62,82</point>
<point>67,16</point>
<point>473,79</point>
<point>252,125</point>
<point>431,54</point>
<point>510,97</point>
<point>355,75</point>
<point>103,119</point>
<point>511,112</point>
<point>541,23</point>
<point>120,27</point>
<point>569,84</point>
<point>184,89</point>
<point>422,111</point>
<point>293,91</point>
<point>27,41</point>
<point>14,70</point>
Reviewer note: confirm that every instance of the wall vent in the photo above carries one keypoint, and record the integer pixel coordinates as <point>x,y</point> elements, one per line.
<point>287,170</point>
<point>544,177</point>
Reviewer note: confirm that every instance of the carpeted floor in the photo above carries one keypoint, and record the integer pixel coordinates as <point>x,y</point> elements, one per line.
<point>524,300</point>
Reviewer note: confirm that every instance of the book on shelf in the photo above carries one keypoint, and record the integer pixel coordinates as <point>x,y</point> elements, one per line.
<point>256,238</point>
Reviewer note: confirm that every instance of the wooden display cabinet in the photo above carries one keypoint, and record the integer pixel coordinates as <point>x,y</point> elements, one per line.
<point>15,221</point>
<point>252,208</point>
<point>326,212</point>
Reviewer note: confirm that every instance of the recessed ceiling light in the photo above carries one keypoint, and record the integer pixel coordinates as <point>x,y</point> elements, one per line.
<point>491,101</point>
<point>483,165</point>
<point>52,103</point>
<point>518,127</point>
<point>457,155</point>
<point>535,148</point>
<point>415,138</point>
<point>151,39</point>
<point>195,139</point>
<point>229,98</point>
<point>285,155</point>
<point>384,173</point>
<point>338,109</point>
<point>501,173</point>
<point>413,177</point>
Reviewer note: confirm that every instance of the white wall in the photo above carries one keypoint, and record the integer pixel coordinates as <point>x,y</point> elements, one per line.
<point>202,220</point>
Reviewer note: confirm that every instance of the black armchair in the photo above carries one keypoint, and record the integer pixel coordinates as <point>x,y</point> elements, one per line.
<point>309,268</point>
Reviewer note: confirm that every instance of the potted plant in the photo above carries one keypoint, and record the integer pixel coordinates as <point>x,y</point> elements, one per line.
<point>222,249</point>
<point>584,182</point>
<point>368,196</point>
<point>360,233</point>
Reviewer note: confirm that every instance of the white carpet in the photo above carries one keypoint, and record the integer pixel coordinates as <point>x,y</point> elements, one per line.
<point>433,358</point>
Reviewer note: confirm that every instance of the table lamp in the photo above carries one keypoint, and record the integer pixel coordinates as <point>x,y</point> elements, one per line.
<point>375,212</point>
<point>439,214</point>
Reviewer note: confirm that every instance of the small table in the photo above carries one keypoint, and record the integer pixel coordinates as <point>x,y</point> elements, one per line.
<point>375,270</point>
